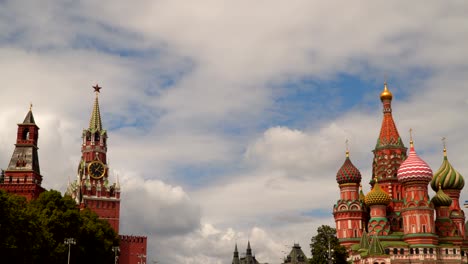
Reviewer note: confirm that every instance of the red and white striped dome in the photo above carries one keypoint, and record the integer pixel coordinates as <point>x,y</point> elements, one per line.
<point>414,168</point>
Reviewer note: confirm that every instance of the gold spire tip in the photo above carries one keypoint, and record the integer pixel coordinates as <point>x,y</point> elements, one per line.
<point>30,106</point>
<point>444,143</point>
<point>411,137</point>
<point>386,94</point>
<point>347,148</point>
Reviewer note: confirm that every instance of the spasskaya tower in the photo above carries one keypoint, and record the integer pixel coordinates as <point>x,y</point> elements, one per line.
<point>92,188</point>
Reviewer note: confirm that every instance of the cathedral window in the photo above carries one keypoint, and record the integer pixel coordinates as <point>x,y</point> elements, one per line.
<point>395,251</point>
<point>454,251</point>
<point>425,250</point>
<point>431,251</point>
<point>10,179</point>
<point>25,179</point>
<point>417,250</point>
<point>411,251</point>
<point>402,251</point>
<point>446,251</point>
<point>17,180</point>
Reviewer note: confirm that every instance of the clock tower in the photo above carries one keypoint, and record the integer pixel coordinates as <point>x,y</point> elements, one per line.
<point>92,188</point>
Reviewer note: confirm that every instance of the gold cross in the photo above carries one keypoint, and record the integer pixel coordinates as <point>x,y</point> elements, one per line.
<point>444,141</point>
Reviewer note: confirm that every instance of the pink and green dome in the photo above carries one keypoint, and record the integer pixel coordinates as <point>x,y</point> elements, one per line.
<point>447,177</point>
<point>414,168</point>
<point>377,196</point>
<point>348,173</point>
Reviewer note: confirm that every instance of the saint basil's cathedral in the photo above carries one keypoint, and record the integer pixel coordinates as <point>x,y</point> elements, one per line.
<point>397,222</point>
<point>91,189</point>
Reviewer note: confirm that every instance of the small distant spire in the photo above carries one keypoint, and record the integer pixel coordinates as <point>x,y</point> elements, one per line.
<point>347,148</point>
<point>30,106</point>
<point>411,138</point>
<point>249,250</point>
<point>444,142</point>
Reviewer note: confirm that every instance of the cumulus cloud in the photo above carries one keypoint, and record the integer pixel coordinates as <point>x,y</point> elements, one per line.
<point>198,86</point>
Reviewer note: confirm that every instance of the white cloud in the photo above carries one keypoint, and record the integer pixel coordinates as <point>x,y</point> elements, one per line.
<point>190,84</point>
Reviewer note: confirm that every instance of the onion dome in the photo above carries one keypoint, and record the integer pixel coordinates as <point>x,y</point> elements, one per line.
<point>348,173</point>
<point>386,94</point>
<point>414,168</point>
<point>377,196</point>
<point>441,199</point>
<point>447,176</point>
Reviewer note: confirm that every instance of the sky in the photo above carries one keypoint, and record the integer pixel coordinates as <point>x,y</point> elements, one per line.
<point>227,120</point>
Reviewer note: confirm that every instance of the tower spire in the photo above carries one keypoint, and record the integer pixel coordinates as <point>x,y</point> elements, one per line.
<point>95,123</point>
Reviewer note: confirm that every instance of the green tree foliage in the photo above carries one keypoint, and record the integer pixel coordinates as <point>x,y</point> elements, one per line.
<point>35,232</point>
<point>319,247</point>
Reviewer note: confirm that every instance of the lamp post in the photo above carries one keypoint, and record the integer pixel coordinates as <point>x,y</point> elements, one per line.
<point>330,250</point>
<point>116,250</point>
<point>141,256</point>
<point>69,241</point>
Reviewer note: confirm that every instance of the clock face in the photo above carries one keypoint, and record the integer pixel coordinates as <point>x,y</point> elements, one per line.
<point>96,169</point>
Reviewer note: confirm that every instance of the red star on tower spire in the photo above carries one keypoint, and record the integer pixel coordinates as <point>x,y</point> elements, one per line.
<point>97,88</point>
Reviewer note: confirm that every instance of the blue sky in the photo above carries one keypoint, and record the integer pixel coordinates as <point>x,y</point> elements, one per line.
<point>227,119</point>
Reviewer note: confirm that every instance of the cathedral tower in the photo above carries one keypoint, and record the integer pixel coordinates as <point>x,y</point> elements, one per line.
<point>23,175</point>
<point>389,153</point>
<point>92,188</point>
<point>350,211</point>
<point>452,182</point>
<point>418,216</point>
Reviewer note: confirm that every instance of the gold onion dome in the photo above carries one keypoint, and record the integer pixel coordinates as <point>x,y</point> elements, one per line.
<point>441,199</point>
<point>377,196</point>
<point>447,177</point>
<point>386,94</point>
<point>348,173</point>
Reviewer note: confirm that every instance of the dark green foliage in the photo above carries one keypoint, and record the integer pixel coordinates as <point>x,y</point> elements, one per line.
<point>35,232</point>
<point>319,247</point>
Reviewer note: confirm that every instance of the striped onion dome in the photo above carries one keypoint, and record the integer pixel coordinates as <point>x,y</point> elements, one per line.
<point>447,176</point>
<point>414,168</point>
<point>348,173</point>
<point>377,196</point>
<point>441,199</point>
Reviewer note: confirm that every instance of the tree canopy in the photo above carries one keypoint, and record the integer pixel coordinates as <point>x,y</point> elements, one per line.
<point>319,247</point>
<point>35,232</point>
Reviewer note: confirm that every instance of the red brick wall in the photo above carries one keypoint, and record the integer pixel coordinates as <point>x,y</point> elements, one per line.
<point>132,249</point>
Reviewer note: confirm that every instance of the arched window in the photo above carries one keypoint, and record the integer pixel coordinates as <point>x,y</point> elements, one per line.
<point>395,251</point>
<point>25,179</point>
<point>446,251</point>
<point>454,251</point>
<point>402,251</point>
<point>25,135</point>
<point>425,250</point>
<point>431,251</point>
<point>417,250</point>
<point>411,251</point>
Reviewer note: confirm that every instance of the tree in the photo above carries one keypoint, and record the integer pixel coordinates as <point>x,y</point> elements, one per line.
<point>34,232</point>
<point>324,242</point>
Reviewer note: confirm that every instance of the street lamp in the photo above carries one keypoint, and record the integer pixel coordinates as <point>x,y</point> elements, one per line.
<point>141,256</point>
<point>330,250</point>
<point>116,250</point>
<point>69,241</point>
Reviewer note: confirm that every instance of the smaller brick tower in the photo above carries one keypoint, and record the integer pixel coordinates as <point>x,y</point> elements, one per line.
<point>92,188</point>
<point>350,211</point>
<point>418,216</point>
<point>23,175</point>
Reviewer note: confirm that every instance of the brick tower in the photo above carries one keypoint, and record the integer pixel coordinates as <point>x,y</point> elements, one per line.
<point>350,211</point>
<point>23,175</point>
<point>92,188</point>
<point>389,153</point>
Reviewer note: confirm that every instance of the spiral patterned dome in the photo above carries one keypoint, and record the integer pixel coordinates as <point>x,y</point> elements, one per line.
<point>414,168</point>
<point>377,196</point>
<point>447,177</point>
<point>348,173</point>
<point>441,199</point>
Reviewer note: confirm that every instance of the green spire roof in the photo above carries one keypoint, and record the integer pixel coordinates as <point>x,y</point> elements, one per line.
<point>364,244</point>
<point>376,247</point>
<point>95,123</point>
